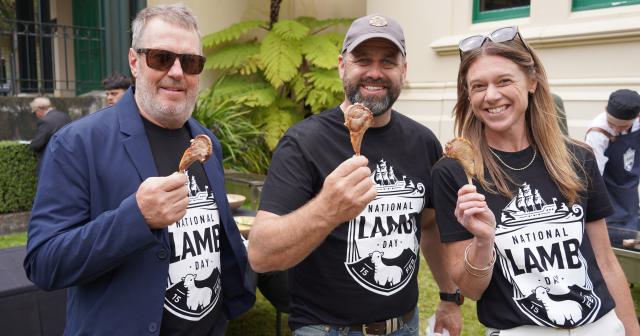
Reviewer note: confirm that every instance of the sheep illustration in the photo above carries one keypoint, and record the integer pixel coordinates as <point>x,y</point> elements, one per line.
<point>384,273</point>
<point>559,311</point>
<point>196,296</point>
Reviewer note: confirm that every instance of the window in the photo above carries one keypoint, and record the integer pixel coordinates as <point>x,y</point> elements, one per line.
<point>493,10</point>
<point>580,5</point>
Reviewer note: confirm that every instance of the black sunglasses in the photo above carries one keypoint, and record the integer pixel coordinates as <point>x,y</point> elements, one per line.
<point>499,35</point>
<point>162,60</point>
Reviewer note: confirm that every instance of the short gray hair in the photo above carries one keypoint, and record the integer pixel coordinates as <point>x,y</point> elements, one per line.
<point>40,103</point>
<point>177,14</point>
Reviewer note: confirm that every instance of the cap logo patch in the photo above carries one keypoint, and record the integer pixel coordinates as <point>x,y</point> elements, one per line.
<point>378,21</point>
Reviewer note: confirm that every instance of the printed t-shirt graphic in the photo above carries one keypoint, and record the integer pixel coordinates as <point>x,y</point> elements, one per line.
<point>538,247</point>
<point>382,248</point>
<point>194,283</point>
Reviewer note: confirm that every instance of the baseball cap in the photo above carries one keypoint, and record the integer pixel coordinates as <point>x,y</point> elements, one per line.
<point>371,26</point>
<point>624,104</point>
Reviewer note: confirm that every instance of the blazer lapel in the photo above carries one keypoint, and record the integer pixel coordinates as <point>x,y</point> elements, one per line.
<point>135,141</point>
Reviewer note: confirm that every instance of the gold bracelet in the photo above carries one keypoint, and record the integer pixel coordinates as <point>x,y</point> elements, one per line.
<point>475,271</point>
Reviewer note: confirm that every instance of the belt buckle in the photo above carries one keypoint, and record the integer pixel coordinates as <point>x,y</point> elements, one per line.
<point>391,325</point>
<point>365,333</point>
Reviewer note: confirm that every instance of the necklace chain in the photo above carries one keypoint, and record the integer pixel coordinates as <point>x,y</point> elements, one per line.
<point>508,166</point>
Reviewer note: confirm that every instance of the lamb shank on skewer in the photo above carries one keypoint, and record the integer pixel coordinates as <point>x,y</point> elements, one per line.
<point>358,118</point>
<point>462,150</point>
<point>199,150</point>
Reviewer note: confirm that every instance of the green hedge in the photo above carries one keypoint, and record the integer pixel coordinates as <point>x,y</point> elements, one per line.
<point>17,177</point>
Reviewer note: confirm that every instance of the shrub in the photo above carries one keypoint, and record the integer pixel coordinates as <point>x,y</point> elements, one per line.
<point>287,71</point>
<point>17,177</point>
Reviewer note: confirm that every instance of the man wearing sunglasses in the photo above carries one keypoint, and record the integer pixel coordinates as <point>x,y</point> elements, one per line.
<point>350,228</point>
<point>143,250</point>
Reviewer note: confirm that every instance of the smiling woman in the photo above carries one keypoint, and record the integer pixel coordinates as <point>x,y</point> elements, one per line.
<point>537,197</point>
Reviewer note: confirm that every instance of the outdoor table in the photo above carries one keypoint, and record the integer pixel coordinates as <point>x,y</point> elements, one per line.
<point>26,310</point>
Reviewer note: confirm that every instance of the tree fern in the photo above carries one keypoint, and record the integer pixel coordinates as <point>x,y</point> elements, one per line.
<point>280,59</point>
<point>272,81</point>
<point>326,80</point>
<point>248,91</point>
<point>242,58</point>
<point>320,51</point>
<point>232,33</point>
<point>318,99</point>
<point>290,30</point>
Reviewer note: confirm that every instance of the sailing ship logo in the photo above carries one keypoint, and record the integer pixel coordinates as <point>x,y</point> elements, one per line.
<point>200,198</point>
<point>382,246</point>
<point>528,207</point>
<point>538,250</point>
<point>388,184</point>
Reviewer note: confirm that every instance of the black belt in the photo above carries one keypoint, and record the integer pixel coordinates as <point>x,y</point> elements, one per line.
<point>383,327</point>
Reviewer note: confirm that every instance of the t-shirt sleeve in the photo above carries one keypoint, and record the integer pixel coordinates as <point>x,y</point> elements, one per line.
<point>289,181</point>
<point>598,203</point>
<point>434,152</point>
<point>448,176</point>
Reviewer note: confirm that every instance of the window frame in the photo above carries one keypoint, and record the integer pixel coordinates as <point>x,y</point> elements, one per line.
<point>583,5</point>
<point>499,14</point>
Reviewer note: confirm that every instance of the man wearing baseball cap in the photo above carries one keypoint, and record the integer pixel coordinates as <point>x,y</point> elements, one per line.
<point>350,228</point>
<point>614,136</point>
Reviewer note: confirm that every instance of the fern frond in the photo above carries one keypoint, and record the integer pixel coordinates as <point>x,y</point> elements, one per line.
<point>319,99</point>
<point>308,21</point>
<point>290,30</point>
<point>280,59</point>
<point>276,121</point>
<point>235,57</point>
<point>299,87</point>
<point>325,80</point>
<point>243,90</point>
<point>335,38</point>
<point>321,51</point>
<point>232,33</point>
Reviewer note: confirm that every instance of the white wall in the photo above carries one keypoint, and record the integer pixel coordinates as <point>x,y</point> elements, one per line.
<point>587,54</point>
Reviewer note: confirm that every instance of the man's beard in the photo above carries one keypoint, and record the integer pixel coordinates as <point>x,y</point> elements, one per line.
<point>377,105</point>
<point>172,117</point>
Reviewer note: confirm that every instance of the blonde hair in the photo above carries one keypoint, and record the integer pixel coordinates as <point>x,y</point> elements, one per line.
<point>543,130</point>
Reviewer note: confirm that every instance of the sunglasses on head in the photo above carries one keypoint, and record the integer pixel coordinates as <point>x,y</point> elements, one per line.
<point>163,60</point>
<point>499,35</point>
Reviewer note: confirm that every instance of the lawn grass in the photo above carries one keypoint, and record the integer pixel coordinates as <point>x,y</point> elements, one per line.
<point>260,319</point>
<point>14,239</point>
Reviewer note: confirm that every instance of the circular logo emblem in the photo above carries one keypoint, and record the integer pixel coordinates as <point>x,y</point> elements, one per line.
<point>378,21</point>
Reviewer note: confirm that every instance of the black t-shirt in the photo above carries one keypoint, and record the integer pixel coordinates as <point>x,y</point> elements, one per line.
<point>366,269</point>
<point>545,273</point>
<point>193,298</point>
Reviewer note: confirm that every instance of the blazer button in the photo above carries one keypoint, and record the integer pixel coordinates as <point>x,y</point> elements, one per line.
<point>162,254</point>
<point>153,327</point>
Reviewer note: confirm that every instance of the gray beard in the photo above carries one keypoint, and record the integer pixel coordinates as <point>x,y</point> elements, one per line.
<point>376,106</point>
<point>172,118</point>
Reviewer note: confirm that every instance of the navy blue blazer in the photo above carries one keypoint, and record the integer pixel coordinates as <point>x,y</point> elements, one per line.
<point>87,233</point>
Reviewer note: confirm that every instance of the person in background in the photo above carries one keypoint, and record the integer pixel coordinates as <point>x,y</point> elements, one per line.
<point>562,115</point>
<point>349,229</point>
<point>50,121</point>
<point>142,249</point>
<point>115,86</point>
<point>528,238</point>
<point>614,136</point>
